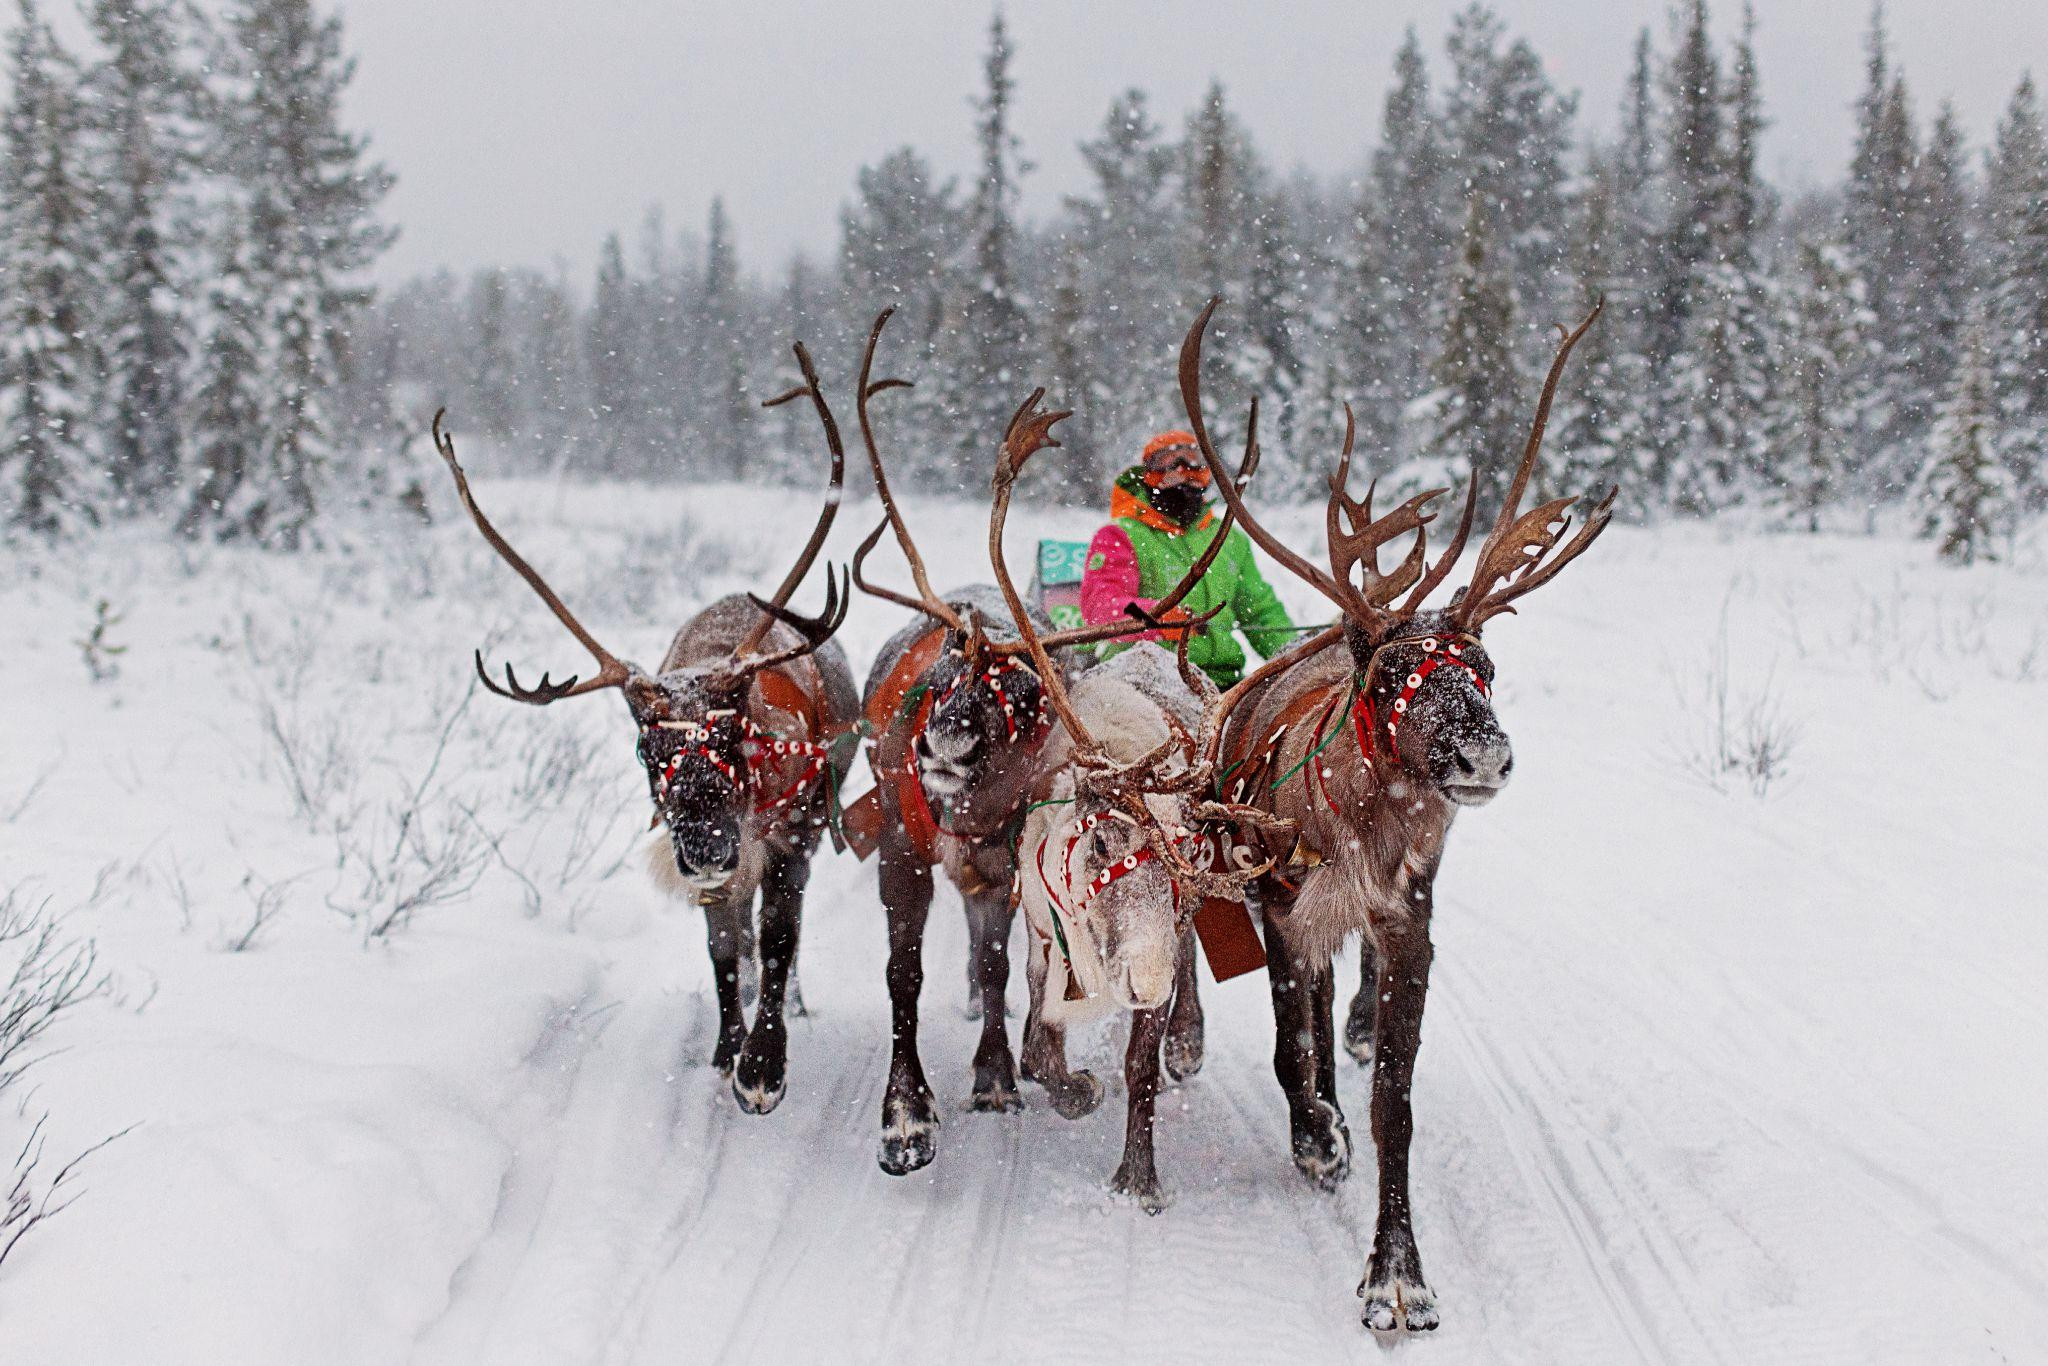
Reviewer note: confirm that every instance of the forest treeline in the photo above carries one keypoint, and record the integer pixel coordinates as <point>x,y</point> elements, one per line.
<point>187,334</point>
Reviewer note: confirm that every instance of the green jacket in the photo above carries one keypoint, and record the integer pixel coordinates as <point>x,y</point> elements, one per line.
<point>1141,555</point>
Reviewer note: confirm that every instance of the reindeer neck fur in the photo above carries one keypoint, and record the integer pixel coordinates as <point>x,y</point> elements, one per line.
<point>1384,839</point>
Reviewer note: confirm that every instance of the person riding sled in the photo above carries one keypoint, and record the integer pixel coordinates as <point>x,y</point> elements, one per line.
<point>1160,523</point>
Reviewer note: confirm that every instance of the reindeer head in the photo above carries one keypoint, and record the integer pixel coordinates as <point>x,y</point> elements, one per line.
<point>1424,682</point>
<point>691,725</point>
<point>986,719</point>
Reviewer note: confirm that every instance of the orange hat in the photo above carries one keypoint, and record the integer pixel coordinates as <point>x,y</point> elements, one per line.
<point>1167,441</point>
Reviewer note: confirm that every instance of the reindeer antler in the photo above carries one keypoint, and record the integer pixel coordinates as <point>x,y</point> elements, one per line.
<point>926,601</point>
<point>1512,560</point>
<point>612,672</point>
<point>771,610</point>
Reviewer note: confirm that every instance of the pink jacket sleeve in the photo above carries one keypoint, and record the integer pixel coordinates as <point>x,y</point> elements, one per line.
<point>1111,580</point>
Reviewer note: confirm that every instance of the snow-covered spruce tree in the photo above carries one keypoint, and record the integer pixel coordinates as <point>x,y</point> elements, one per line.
<point>1271,363</point>
<point>1721,378</point>
<point>993,350</point>
<point>1395,256</point>
<point>2016,214</point>
<point>1819,391</point>
<point>896,239</point>
<point>1939,279</point>
<point>1123,323</point>
<point>1690,251</point>
<point>493,402</point>
<point>1221,184</point>
<point>303,195</point>
<point>1965,496</point>
<point>1508,136</point>
<point>49,457</point>
<point>1075,473</point>
<point>229,392</point>
<point>1599,418</point>
<point>1877,227</point>
<point>611,342</point>
<point>1475,413</point>
<point>726,403</point>
<point>141,116</point>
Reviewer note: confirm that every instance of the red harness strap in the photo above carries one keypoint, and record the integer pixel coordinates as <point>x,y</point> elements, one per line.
<point>1436,652</point>
<point>758,747</point>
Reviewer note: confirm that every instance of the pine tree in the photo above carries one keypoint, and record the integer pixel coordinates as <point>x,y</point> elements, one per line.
<point>993,354</point>
<point>141,118</point>
<point>1966,494</point>
<point>228,393</point>
<point>492,380</point>
<point>1937,283</point>
<point>896,241</point>
<point>305,196</point>
<point>1399,248</point>
<point>1822,367</point>
<point>2016,213</point>
<point>1118,326</point>
<point>1221,184</point>
<point>1475,413</point>
<point>48,364</point>
<point>610,346</point>
<point>724,331</point>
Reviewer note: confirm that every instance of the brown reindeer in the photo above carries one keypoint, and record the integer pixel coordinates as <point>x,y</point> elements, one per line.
<point>1110,866</point>
<point>1371,747</point>
<point>734,731</point>
<point>960,724</point>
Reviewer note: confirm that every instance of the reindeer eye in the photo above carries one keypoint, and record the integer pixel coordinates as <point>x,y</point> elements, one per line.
<point>1099,841</point>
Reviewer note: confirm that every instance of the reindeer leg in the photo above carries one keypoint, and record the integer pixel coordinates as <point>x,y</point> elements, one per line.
<point>1073,1094</point>
<point>1358,1021</point>
<point>722,925</point>
<point>1394,1292</point>
<point>1136,1175</point>
<point>1322,1147</point>
<point>1184,1020</point>
<point>762,1073</point>
<point>910,1122</point>
<point>972,1010</point>
<point>995,1069</point>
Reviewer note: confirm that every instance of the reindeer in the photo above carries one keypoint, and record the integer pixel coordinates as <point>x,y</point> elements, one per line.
<point>1370,741</point>
<point>1107,876</point>
<point>960,725</point>
<point>734,731</point>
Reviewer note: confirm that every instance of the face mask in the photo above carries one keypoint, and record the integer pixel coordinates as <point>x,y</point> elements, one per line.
<point>1182,503</point>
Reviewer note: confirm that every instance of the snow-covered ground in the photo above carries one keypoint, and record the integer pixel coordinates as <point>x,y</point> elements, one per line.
<point>1707,1075</point>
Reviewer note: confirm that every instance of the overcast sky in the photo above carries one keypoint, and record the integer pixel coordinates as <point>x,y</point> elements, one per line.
<point>523,130</point>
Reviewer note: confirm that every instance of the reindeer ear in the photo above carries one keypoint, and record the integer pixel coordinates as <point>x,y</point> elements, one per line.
<point>647,699</point>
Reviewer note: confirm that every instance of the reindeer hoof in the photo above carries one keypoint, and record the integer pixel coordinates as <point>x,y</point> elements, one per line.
<point>1322,1147</point>
<point>995,1099</point>
<point>728,1051</point>
<point>1358,1030</point>
<point>1397,1305</point>
<point>910,1136</point>
<point>1078,1095</point>
<point>761,1076</point>
<point>1143,1190</point>
<point>1183,1053</point>
<point>760,1098</point>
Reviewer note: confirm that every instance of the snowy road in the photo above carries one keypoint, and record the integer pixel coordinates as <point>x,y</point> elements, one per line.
<point>1705,1077</point>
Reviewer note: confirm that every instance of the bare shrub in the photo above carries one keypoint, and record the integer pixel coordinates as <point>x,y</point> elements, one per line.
<point>425,848</point>
<point>1732,733</point>
<point>51,973</point>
